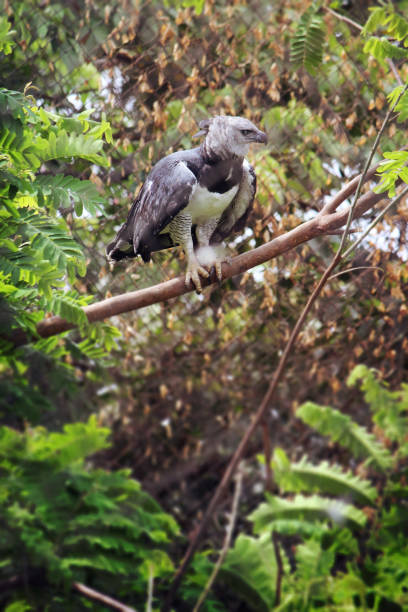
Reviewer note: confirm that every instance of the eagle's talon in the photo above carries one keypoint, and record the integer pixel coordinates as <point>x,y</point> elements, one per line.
<point>218,270</point>
<point>194,271</point>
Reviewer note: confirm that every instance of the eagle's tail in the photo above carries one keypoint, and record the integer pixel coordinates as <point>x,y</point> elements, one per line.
<point>116,252</point>
<point>122,246</point>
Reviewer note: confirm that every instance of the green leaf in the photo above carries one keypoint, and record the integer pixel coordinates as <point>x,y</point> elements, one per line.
<point>63,190</point>
<point>308,40</point>
<point>322,478</point>
<point>313,561</point>
<point>250,571</point>
<point>51,241</point>
<point>6,42</point>
<point>346,589</point>
<point>77,441</point>
<point>381,49</point>
<point>18,606</point>
<point>61,145</point>
<point>67,307</point>
<point>20,266</point>
<point>314,508</point>
<point>389,412</point>
<point>197,4</point>
<point>343,430</point>
<point>377,18</point>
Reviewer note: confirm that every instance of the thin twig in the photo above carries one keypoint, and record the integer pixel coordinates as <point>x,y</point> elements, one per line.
<point>340,232</point>
<point>149,603</point>
<point>346,192</point>
<point>348,270</point>
<point>267,454</point>
<point>227,541</point>
<point>344,18</point>
<point>359,27</point>
<point>367,166</point>
<point>105,599</point>
<point>382,214</point>
<point>279,564</point>
<point>394,71</point>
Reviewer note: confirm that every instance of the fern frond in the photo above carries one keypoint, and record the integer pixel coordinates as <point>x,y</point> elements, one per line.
<point>111,520</point>
<point>62,145</point>
<point>51,240</point>
<point>51,347</point>
<point>308,40</point>
<point>385,406</point>
<point>343,430</point>
<point>10,184</point>
<point>91,349</point>
<point>299,527</point>
<point>384,17</point>
<point>100,562</point>
<point>397,27</point>
<point>17,144</point>
<point>322,478</point>
<point>5,286</point>
<point>67,307</point>
<point>381,49</point>
<point>313,561</point>
<point>313,508</point>
<point>19,267</point>
<point>77,441</point>
<point>26,268</point>
<point>378,17</point>
<point>13,103</point>
<point>250,570</point>
<point>64,190</point>
<point>104,541</point>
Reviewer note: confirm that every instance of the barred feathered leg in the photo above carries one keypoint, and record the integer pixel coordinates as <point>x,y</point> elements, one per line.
<point>210,256</point>
<point>180,232</point>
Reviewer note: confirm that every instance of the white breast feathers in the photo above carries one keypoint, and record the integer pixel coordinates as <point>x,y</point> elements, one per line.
<point>205,205</point>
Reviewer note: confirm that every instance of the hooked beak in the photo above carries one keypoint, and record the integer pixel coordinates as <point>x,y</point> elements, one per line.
<point>199,134</point>
<point>261,137</point>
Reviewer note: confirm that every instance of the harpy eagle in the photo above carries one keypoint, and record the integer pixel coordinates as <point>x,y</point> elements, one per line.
<point>194,198</point>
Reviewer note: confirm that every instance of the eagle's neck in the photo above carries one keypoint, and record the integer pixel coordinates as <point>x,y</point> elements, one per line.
<point>216,147</point>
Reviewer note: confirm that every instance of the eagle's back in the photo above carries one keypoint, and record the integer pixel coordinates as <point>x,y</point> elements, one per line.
<point>185,181</point>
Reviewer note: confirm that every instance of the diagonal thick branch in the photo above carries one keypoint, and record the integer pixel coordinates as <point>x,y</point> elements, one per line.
<point>327,221</point>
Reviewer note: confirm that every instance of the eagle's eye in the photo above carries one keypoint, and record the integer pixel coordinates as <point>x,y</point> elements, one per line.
<point>246,132</point>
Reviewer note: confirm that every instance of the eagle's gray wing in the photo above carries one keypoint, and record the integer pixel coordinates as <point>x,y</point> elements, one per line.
<point>236,214</point>
<point>166,191</point>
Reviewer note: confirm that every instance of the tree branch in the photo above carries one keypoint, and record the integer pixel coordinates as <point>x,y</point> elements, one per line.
<point>101,597</point>
<point>325,222</point>
<point>227,541</point>
<point>382,214</point>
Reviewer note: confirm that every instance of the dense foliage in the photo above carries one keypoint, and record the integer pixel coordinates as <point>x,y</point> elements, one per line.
<point>90,97</point>
<point>351,524</point>
<point>61,518</point>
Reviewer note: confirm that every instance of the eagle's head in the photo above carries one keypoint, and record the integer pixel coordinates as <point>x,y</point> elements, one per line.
<point>227,136</point>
